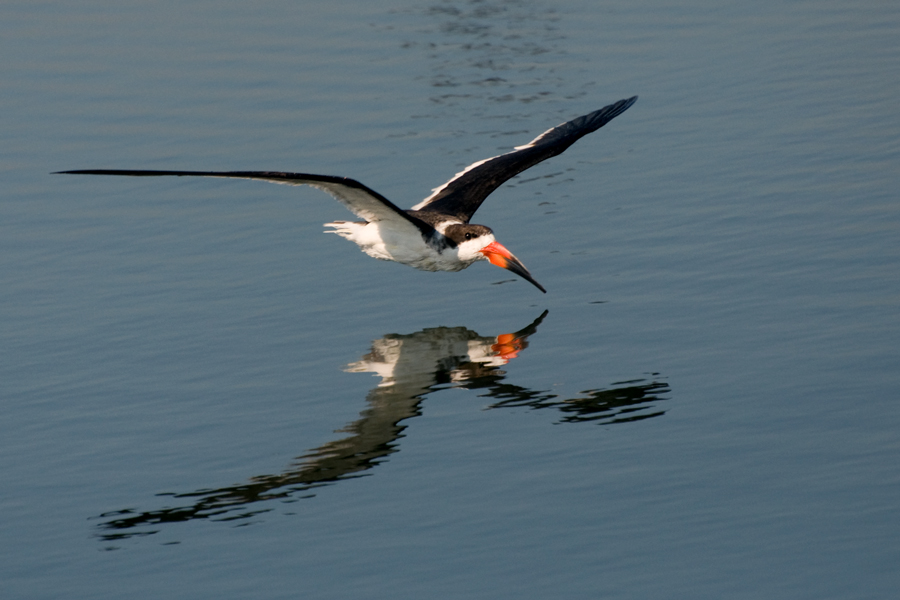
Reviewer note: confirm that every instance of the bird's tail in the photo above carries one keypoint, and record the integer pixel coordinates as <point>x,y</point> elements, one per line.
<point>345,229</point>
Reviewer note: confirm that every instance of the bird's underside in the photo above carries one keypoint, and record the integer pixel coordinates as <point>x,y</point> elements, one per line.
<point>435,234</point>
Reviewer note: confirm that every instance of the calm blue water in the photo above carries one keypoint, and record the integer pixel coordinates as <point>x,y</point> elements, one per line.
<point>203,396</point>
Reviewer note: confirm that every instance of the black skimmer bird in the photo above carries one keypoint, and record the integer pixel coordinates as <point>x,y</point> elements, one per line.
<point>435,234</point>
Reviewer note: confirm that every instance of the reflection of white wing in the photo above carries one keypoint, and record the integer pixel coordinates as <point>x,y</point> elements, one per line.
<point>415,358</point>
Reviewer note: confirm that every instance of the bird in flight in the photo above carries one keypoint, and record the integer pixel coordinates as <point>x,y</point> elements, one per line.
<point>435,234</point>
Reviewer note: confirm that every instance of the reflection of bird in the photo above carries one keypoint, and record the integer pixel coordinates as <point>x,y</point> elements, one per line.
<point>411,367</point>
<point>435,234</point>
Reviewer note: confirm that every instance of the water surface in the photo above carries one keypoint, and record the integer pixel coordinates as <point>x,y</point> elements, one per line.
<point>205,396</point>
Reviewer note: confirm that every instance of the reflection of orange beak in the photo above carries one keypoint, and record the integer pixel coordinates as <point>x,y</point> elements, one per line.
<point>508,346</point>
<point>501,257</point>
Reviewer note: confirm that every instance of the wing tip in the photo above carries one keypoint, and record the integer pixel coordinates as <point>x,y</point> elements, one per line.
<point>628,102</point>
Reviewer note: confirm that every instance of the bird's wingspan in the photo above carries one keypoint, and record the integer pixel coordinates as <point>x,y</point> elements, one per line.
<point>464,193</point>
<point>362,201</point>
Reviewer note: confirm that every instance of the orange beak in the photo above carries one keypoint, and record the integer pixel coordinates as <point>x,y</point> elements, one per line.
<point>501,257</point>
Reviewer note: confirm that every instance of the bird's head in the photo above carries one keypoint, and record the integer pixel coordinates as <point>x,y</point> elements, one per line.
<point>476,242</point>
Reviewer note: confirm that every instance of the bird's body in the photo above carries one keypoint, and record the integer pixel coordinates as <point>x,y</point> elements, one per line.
<point>435,234</point>
<point>426,253</point>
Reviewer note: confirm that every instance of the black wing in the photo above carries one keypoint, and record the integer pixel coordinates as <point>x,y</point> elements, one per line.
<point>362,201</point>
<point>462,195</point>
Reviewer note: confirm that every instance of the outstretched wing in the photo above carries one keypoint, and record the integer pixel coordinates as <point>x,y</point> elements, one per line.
<point>362,201</point>
<point>462,195</point>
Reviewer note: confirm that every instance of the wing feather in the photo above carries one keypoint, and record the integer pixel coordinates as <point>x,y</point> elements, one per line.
<point>464,193</point>
<point>362,201</point>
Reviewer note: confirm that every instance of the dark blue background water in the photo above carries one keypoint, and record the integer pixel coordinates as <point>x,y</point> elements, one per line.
<point>203,396</point>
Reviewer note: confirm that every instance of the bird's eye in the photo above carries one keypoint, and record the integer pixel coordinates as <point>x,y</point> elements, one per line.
<point>468,236</point>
